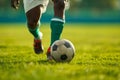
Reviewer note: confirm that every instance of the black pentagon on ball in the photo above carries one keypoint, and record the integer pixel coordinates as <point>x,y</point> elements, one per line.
<point>63,57</point>
<point>54,48</point>
<point>67,44</point>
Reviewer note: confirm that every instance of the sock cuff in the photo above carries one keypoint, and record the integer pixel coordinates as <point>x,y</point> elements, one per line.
<point>38,25</point>
<point>58,19</point>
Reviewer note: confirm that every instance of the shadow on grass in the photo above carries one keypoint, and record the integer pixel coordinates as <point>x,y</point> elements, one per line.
<point>2,47</point>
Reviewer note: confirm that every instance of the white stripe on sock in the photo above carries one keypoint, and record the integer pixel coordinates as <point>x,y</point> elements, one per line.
<point>58,19</point>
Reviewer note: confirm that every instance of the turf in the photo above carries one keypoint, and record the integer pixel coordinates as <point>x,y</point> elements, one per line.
<point>97,53</point>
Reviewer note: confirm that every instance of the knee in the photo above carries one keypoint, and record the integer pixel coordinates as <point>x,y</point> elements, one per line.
<point>59,4</point>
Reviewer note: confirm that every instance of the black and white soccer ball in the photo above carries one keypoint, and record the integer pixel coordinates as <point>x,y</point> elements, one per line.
<point>62,50</point>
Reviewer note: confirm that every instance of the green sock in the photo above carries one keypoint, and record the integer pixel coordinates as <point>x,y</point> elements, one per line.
<point>35,32</point>
<point>56,29</point>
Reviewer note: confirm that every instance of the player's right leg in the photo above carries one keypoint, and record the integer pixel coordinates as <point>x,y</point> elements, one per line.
<point>57,23</point>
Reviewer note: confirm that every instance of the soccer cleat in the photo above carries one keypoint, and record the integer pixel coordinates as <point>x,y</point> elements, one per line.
<point>38,48</point>
<point>49,57</point>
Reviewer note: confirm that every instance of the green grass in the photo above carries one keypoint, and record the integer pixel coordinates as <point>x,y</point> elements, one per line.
<point>97,53</point>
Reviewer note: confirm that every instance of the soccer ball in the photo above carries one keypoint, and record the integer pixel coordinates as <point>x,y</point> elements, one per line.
<point>62,50</point>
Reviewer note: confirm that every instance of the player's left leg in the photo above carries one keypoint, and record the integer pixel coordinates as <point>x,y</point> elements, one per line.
<point>57,22</point>
<point>33,16</point>
<point>34,10</point>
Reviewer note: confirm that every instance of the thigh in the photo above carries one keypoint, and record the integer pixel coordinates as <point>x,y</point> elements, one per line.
<point>33,16</point>
<point>34,10</point>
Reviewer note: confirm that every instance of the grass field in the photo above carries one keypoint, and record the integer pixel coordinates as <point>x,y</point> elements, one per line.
<point>97,53</point>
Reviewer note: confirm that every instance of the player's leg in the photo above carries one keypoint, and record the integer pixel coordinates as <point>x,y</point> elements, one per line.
<point>34,10</point>
<point>57,22</point>
<point>33,16</point>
